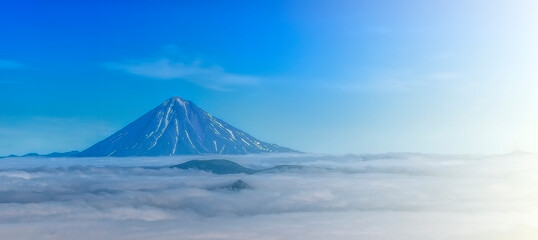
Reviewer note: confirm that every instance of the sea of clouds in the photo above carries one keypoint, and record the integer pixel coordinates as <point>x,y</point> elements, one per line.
<point>386,196</point>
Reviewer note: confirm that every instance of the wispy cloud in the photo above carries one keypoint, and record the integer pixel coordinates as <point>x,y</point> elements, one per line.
<point>399,83</point>
<point>445,76</point>
<point>7,64</point>
<point>168,68</point>
<point>377,85</point>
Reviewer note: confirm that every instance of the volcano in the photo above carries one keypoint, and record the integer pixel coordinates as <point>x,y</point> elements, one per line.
<point>179,127</point>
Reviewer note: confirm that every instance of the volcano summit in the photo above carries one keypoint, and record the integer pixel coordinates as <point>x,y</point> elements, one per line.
<point>178,127</point>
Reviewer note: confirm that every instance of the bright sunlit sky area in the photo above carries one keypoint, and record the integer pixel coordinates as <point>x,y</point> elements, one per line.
<point>317,76</point>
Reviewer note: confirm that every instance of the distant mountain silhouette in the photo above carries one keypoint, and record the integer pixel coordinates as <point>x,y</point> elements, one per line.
<point>54,154</point>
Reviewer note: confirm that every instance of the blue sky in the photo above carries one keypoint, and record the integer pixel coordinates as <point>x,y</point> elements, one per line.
<point>318,76</point>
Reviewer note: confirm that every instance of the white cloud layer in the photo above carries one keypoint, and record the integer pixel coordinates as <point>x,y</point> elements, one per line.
<point>391,196</point>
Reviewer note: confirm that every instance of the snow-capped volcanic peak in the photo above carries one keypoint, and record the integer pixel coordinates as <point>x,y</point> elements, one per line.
<point>177,127</point>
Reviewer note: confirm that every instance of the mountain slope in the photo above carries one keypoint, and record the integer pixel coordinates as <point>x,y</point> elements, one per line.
<point>178,127</point>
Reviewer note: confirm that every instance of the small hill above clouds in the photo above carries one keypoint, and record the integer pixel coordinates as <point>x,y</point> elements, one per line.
<point>223,166</point>
<point>179,127</point>
<point>217,166</point>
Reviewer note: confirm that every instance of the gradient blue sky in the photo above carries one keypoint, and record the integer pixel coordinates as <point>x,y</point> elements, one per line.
<point>318,76</point>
